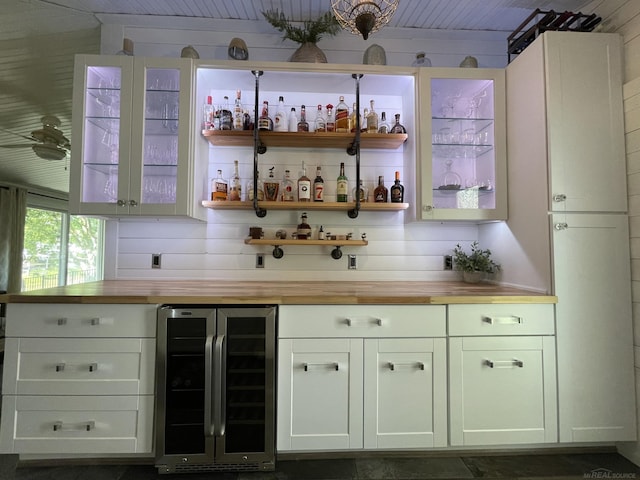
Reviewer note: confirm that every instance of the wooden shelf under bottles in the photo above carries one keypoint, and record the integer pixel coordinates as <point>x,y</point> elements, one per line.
<point>278,243</point>
<point>244,138</point>
<point>329,206</point>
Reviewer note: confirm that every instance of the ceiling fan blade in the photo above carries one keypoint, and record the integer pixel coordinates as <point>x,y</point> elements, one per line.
<point>31,139</point>
<point>20,145</point>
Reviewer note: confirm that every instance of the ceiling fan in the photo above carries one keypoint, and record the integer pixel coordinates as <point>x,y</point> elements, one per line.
<point>49,142</point>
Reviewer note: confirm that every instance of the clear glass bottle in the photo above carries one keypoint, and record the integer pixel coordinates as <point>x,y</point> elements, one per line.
<point>304,186</point>
<point>207,114</point>
<point>331,119</point>
<point>287,187</point>
<point>353,120</point>
<point>303,125</point>
<point>342,185</point>
<point>304,229</point>
<point>383,127</point>
<point>219,188</point>
<point>397,190</point>
<point>226,116</point>
<point>342,116</point>
<point>264,121</point>
<point>319,125</point>
<point>318,186</point>
<point>293,120</point>
<point>235,186</point>
<point>398,127</point>
<point>363,192</point>
<point>250,194</point>
<point>363,120</point>
<point>271,187</point>
<point>381,194</point>
<point>280,119</point>
<point>238,114</point>
<point>372,120</point>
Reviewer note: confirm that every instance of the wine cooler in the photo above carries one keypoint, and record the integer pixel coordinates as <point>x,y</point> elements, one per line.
<point>215,388</point>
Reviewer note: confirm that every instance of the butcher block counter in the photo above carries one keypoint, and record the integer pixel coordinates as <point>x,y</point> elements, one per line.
<point>281,293</point>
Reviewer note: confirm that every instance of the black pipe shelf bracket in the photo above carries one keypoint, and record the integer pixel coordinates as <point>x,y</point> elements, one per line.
<point>354,149</point>
<point>258,148</point>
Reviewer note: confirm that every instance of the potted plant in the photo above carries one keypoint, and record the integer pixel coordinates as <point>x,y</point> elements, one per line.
<point>306,35</point>
<point>475,265</point>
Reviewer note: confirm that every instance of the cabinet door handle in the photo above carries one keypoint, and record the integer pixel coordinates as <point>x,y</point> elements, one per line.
<point>133,203</point>
<point>122,203</point>
<point>559,197</point>
<point>95,321</point>
<point>88,426</point>
<point>62,321</point>
<point>60,367</point>
<point>504,363</point>
<point>560,226</point>
<point>419,365</point>
<point>93,367</point>
<point>332,365</point>
<point>351,321</point>
<point>508,320</point>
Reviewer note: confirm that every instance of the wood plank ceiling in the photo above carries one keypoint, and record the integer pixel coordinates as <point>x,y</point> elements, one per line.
<point>38,39</point>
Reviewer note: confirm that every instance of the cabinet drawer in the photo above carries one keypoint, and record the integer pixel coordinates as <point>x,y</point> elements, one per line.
<point>76,424</point>
<point>296,321</point>
<point>520,319</point>
<point>67,320</point>
<point>65,366</point>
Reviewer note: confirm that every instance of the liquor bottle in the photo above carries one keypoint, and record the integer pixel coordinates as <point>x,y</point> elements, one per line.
<point>352,119</point>
<point>264,121</point>
<point>280,119</point>
<point>304,186</point>
<point>207,122</point>
<point>397,190</point>
<point>363,120</point>
<point>235,186</point>
<point>397,127</point>
<point>217,121</point>
<point>318,186</point>
<point>331,119</point>
<point>287,187</point>
<point>303,125</point>
<point>293,120</point>
<point>383,127</point>
<point>372,120</point>
<point>321,234</point>
<point>219,188</point>
<point>271,187</point>
<point>342,116</point>
<point>226,117</point>
<point>260,195</point>
<point>304,229</point>
<point>381,194</point>
<point>238,117</point>
<point>342,185</point>
<point>320,125</point>
<point>363,192</point>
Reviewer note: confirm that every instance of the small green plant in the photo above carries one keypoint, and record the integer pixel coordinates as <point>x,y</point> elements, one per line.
<point>477,261</point>
<point>311,31</point>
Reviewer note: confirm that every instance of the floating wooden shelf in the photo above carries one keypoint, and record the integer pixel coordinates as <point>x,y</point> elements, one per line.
<point>285,242</point>
<point>329,206</point>
<point>244,138</point>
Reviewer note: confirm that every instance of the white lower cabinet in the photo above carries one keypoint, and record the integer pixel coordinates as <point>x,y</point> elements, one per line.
<point>360,382</point>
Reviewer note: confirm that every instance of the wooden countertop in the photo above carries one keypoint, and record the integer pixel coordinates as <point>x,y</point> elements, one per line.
<point>283,293</point>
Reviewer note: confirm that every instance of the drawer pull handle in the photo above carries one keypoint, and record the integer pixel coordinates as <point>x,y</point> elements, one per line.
<point>60,367</point>
<point>351,321</point>
<point>58,426</point>
<point>62,321</point>
<point>504,363</point>
<point>332,365</point>
<point>93,367</point>
<point>510,320</point>
<point>419,365</point>
<point>95,321</point>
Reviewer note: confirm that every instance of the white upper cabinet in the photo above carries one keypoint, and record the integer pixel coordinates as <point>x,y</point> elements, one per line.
<point>462,160</point>
<point>132,137</point>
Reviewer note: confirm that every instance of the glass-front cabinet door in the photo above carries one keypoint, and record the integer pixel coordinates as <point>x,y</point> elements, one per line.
<point>463,145</point>
<point>131,136</point>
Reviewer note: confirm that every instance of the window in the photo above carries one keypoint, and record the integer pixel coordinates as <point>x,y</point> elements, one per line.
<point>60,249</point>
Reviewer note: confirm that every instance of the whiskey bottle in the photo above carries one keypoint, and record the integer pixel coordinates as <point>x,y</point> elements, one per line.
<point>280,119</point>
<point>397,127</point>
<point>260,195</point>
<point>318,186</point>
<point>362,192</point>
<point>320,125</point>
<point>287,187</point>
<point>303,125</point>
<point>331,119</point>
<point>352,119</point>
<point>226,117</point>
<point>372,120</point>
<point>342,116</point>
<point>304,186</point>
<point>383,127</point>
<point>271,187</point>
<point>342,185</point>
<point>304,229</point>
<point>397,190</point>
<point>219,188</point>
<point>381,194</point>
<point>238,114</point>
<point>235,186</point>
<point>264,121</point>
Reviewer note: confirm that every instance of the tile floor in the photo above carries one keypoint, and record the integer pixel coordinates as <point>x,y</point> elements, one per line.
<point>512,467</point>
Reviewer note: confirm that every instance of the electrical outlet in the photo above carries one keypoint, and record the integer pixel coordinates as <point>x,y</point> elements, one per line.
<point>448,262</point>
<point>259,260</point>
<point>156,260</point>
<point>353,264</point>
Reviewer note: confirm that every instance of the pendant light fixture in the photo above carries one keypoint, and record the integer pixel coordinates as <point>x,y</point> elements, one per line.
<point>363,16</point>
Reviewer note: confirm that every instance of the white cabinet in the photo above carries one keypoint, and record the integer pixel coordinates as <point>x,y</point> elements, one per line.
<point>78,379</point>
<point>462,160</point>
<point>502,379</point>
<point>342,387</point>
<point>567,232</point>
<point>132,137</point>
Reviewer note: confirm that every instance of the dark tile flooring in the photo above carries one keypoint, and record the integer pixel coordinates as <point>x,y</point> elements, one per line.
<point>508,466</point>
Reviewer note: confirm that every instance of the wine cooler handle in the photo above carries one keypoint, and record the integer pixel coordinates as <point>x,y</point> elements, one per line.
<point>219,406</point>
<point>208,371</point>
